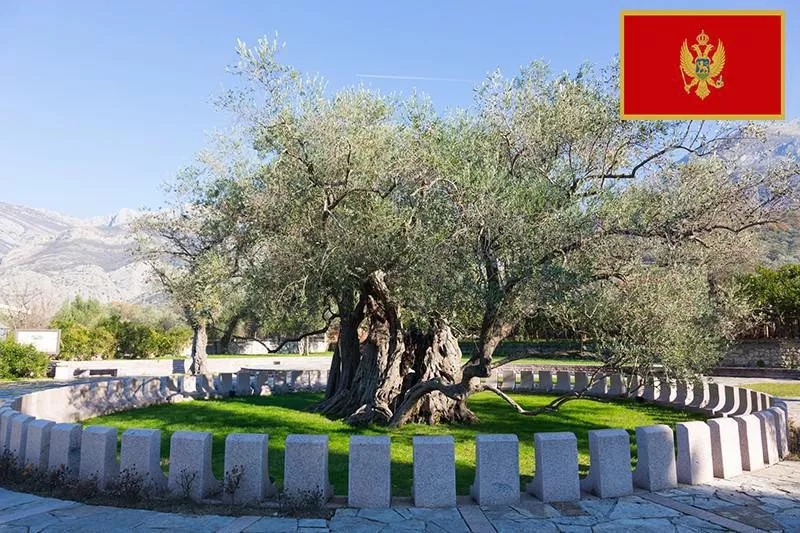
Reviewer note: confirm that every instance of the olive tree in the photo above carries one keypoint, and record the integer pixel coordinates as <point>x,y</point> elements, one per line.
<point>402,226</point>
<point>198,247</point>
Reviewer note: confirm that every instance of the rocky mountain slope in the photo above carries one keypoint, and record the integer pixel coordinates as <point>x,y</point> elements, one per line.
<point>55,257</point>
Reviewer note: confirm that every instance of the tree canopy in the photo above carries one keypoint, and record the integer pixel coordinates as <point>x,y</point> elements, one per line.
<point>405,227</point>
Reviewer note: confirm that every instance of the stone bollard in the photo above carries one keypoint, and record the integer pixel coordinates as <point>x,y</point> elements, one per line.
<point>764,403</point>
<point>496,470</point>
<point>769,436</point>
<point>509,380</point>
<point>616,385</point>
<point>5,427</point>
<point>556,477</point>
<point>699,395</point>
<point>434,471</point>
<point>171,389</point>
<point>225,384</point>
<point>610,464</point>
<point>545,381</point>
<point>526,380</point>
<point>260,386</point>
<point>731,404</point>
<point>649,393</point>
<point>664,391</point>
<point>140,456</point>
<point>151,391</point>
<point>681,394</point>
<point>562,382</point>
<point>98,456</point>
<point>744,402</point>
<point>755,401</point>
<point>189,386</point>
<point>600,386</point>
<point>323,380</point>
<point>18,437</point>
<point>716,398</point>
<point>247,467</point>
<point>190,471</point>
<point>65,449</point>
<point>37,447</point>
<point>581,381</point>
<point>725,453</point>
<point>655,467</point>
<point>294,380</point>
<point>279,380</point>
<point>635,386</point>
<point>131,393</point>
<point>369,480</point>
<point>243,384</point>
<point>306,465</point>
<point>205,387</point>
<point>750,442</point>
<point>781,433</point>
<point>694,463</point>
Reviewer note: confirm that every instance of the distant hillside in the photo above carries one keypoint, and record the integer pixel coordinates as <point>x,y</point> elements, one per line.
<point>59,257</point>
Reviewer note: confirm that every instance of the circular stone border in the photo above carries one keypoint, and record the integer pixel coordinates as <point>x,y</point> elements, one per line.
<point>747,431</point>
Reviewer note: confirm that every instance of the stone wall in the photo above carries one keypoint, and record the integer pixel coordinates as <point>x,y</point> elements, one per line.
<point>165,367</point>
<point>748,433</point>
<point>768,353</point>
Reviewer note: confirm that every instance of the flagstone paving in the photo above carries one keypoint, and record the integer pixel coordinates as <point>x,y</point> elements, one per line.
<point>767,500</point>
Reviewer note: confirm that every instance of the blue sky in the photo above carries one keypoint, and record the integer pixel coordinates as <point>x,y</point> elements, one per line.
<point>101,102</point>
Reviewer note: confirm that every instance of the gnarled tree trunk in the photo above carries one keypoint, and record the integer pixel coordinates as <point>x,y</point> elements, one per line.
<point>199,363</point>
<point>392,361</point>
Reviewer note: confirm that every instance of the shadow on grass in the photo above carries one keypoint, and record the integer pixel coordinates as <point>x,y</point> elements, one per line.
<point>282,415</point>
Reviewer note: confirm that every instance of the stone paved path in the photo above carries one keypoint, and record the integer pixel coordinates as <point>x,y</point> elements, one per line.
<point>768,500</point>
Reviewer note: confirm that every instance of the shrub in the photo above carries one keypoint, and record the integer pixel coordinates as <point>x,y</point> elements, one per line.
<point>21,360</point>
<point>90,330</point>
<point>80,342</point>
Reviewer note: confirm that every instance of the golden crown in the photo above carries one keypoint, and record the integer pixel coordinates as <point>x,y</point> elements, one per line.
<point>702,39</point>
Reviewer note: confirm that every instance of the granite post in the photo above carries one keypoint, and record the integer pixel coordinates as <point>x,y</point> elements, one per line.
<point>369,479</point>
<point>556,477</point>
<point>434,471</point>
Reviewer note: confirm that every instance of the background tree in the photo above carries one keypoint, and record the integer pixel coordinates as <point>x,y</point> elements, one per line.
<point>775,293</point>
<point>196,246</point>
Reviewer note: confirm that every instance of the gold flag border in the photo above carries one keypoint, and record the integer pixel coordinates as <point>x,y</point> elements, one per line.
<point>732,116</point>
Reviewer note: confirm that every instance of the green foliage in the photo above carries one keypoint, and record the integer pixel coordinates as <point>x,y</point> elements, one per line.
<point>80,342</point>
<point>138,341</point>
<point>87,312</point>
<point>21,360</point>
<point>536,198</point>
<point>776,293</point>
<point>90,330</point>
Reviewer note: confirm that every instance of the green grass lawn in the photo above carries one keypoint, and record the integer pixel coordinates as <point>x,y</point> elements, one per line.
<point>282,415</point>
<point>781,390</point>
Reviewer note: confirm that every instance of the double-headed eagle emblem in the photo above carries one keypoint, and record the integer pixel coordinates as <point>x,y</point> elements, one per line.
<point>700,68</point>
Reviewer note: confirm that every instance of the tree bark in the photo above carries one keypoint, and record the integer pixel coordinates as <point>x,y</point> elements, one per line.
<point>227,335</point>
<point>199,357</point>
<point>347,352</point>
<point>369,387</point>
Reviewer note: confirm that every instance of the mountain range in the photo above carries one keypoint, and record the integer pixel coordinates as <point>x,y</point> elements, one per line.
<point>58,257</point>
<point>50,256</point>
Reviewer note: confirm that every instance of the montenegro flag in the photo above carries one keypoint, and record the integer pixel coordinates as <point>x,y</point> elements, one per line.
<point>702,64</point>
